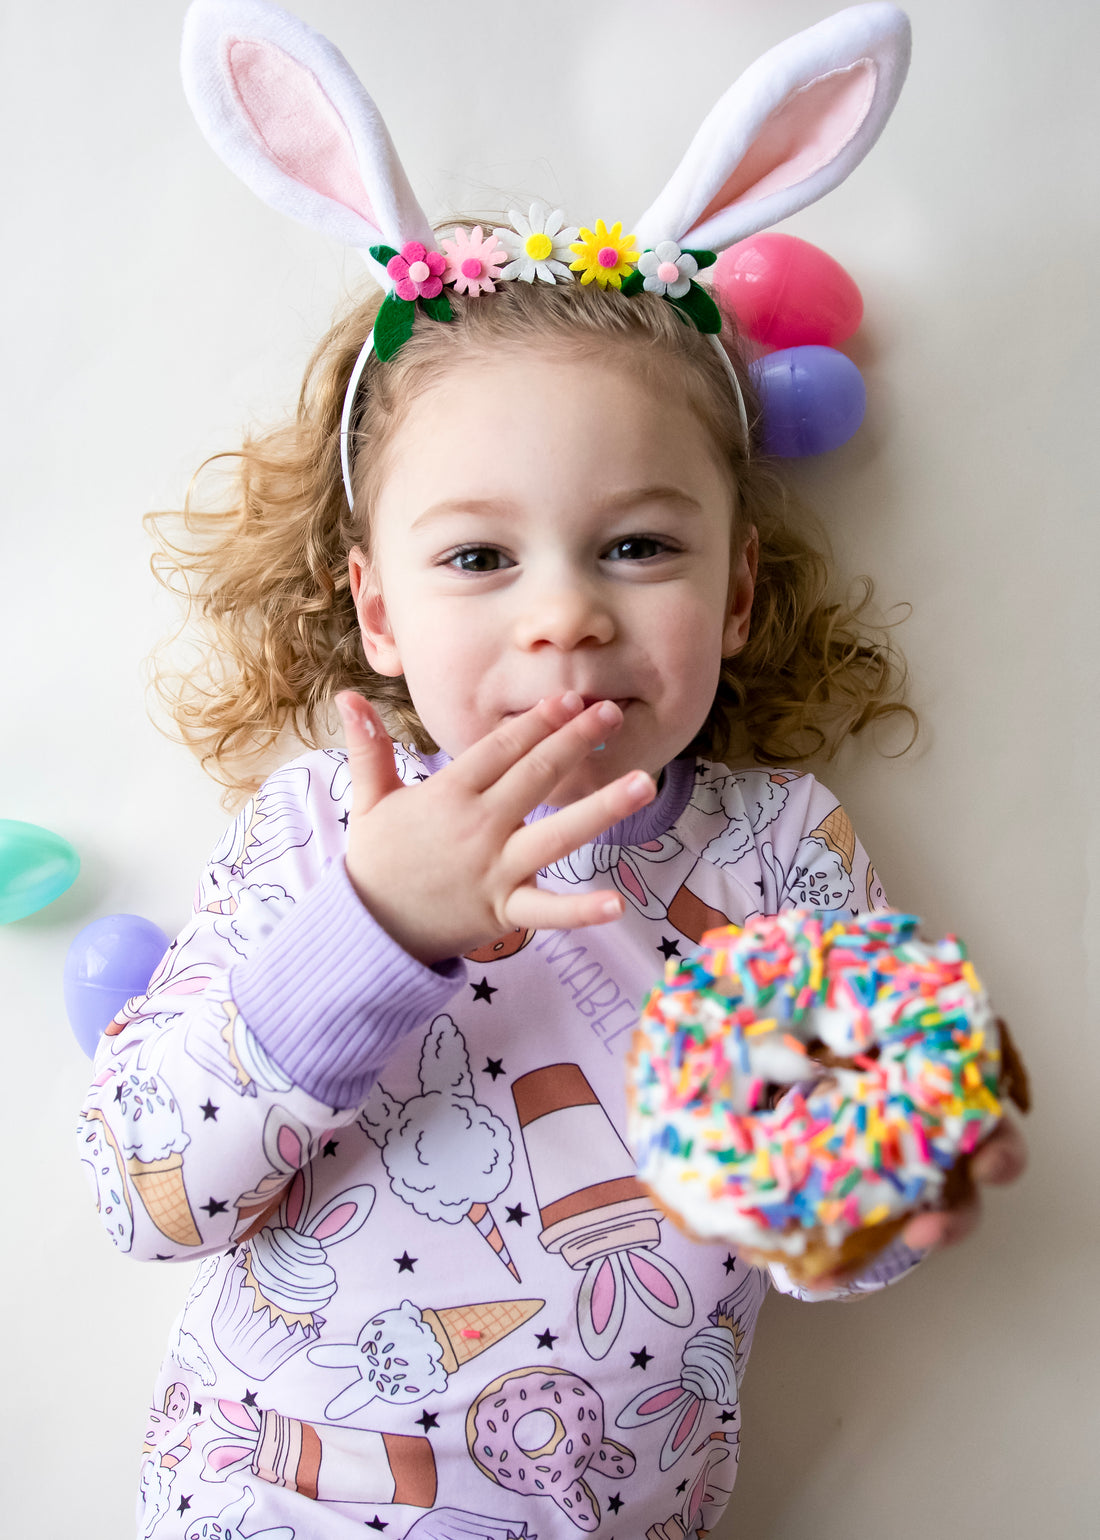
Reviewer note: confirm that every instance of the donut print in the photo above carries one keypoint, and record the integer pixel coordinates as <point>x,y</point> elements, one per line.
<point>537,1431</point>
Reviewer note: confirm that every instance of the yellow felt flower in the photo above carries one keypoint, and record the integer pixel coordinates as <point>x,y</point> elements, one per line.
<point>604,256</point>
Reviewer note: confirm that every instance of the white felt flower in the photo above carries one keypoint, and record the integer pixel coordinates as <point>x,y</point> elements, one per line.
<point>538,245</point>
<point>667,270</point>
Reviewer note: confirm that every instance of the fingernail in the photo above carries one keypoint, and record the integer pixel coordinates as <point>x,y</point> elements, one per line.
<point>572,701</point>
<point>608,712</point>
<point>639,781</point>
<point>613,906</point>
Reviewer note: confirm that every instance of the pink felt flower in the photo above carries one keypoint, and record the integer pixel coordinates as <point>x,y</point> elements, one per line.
<point>473,261</point>
<point>417,272</point>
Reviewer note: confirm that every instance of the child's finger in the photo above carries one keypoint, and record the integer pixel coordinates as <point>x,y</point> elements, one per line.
<point>532,908</point>
<point>532,777</point>
<point>942,1227</point>
<point>539,844</point>
<point>370,752</point>
<point>1001,1158</point>
<point>484,762</point>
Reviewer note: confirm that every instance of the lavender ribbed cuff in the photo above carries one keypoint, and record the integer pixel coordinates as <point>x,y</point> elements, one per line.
<point>329,993</point>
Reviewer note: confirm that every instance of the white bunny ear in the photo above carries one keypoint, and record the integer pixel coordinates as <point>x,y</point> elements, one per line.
<point>285,111</point>
<point>787,132</point>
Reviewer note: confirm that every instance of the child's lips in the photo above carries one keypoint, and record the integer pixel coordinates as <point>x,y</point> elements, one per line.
<point>622,701</point>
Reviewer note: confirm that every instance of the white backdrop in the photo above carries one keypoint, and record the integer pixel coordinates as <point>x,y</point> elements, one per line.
<point>153,308</point>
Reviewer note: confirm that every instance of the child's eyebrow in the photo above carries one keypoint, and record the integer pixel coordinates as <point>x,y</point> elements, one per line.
<point>501,507</point>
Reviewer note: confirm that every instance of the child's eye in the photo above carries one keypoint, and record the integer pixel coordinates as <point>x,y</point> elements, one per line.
<point>635,548</point>
<point>477,558</point>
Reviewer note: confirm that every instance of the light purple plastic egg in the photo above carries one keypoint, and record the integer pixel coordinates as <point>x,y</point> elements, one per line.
<point>813,400</point>
<point>110,960</point>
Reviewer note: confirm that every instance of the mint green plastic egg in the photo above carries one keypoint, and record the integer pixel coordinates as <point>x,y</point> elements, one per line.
<point>36,866</point>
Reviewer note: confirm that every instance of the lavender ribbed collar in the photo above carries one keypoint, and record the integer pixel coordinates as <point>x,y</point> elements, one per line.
<point>648,823</point>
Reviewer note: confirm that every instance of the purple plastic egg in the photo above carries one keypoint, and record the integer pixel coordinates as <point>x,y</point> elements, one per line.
<point>813,400</point>
<point>110,960</point>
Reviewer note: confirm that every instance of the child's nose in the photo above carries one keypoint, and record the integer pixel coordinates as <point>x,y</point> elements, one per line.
<point>565,616</point>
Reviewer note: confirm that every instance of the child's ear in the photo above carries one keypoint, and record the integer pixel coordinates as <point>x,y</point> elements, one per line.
<point>379,642</point>
<point>739,598</point>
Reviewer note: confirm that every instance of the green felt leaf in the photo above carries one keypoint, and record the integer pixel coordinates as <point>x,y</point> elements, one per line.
<point>393,325</point>
<point>439,308</point>
<point>382,253</point>
<point>700,309</point>
<point>703,258</point>
<point>633,283</point>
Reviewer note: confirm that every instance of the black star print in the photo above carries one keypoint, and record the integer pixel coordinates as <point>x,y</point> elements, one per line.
<point>730,1263</point>
<point>682,1487</point>
<point>196,1409</point>
<point>405,1262</point>
<point>377,1523</point>
<point>729,1416</point>
<point>215,1207</point>
<point>173,947</point>
<point>759,883</point>
<point>420,776</point>
<point>640,1360</point>
<point>428,1420</point>
<point>249,1398</point>
<point>484,991</point>
<point>493,1067</point>
<point>700,769</point>
<point>330,1147</point>
<point>614,1503</point>
<point>118,1092</point>
<point>517,1215</point>
<point>209,1111</point>
<point>546,1339</point>
<point>214,879</point>
<point>669,948</point>
<point>185,1503</point>
<point>344,819</point>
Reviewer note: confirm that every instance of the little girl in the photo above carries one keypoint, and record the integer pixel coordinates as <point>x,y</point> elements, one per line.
<point>523,526</point>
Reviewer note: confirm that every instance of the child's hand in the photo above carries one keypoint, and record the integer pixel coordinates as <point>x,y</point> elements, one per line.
<point>1001,1159</point>
<point>996,1162</point>
<point>448,865</point>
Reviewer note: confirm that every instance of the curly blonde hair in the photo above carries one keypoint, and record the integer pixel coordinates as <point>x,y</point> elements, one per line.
<point>264,570</point>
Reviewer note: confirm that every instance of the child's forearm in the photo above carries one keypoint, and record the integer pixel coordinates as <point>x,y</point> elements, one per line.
<point>260,1034</point>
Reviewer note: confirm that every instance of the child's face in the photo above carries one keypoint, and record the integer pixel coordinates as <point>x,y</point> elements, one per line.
<point>549,525</point>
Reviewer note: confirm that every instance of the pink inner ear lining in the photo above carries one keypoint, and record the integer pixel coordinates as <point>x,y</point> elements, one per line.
<point>805,132</point>
<point>300,130</point>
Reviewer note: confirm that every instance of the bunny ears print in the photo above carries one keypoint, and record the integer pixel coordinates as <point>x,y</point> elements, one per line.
<point>283,108</point>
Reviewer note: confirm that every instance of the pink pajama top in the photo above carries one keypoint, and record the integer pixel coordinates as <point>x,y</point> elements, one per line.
<point>433,1300</point>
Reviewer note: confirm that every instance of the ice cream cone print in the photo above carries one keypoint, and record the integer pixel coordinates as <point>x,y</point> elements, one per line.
<point>484,1223</point>
<point>838,834</point>
<point>464,1331</point>
<point>159,1185</point>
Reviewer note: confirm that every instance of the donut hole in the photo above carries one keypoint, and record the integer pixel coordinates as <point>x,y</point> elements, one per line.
<point>538,1432</point>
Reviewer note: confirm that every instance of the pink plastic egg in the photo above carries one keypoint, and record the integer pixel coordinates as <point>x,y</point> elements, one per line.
<point>787,293</point>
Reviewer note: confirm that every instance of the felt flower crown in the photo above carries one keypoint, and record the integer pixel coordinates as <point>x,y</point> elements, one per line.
<point>283,108</point>
<point>474,263</point>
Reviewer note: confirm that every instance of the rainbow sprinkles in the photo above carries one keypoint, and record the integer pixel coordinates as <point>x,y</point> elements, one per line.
<point>887,1051</point>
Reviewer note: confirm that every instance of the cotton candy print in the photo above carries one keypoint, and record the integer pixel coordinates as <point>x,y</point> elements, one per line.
<point>447,1156</point>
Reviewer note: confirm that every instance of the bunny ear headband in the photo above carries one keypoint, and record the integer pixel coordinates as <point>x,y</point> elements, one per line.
<point>284,110</point>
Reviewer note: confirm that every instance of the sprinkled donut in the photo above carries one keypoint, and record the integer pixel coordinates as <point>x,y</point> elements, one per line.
<point>536,1431</point>
<point>891,1066</point>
